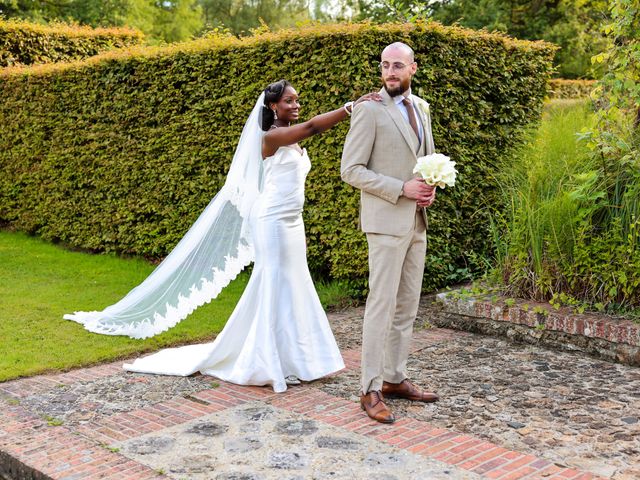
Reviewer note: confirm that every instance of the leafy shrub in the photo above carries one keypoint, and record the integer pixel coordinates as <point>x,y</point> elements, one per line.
<point>24,43</point>
<point>562,88</point>
<point>122,152</point>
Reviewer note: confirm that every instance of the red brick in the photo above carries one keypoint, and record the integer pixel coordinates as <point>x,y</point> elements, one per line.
<point>112,434</point>
<point>468,444</point>
<point>349,418</point>
<point>420,437</point>
<point>455,458</point>
<point>417,449</point>
<point>545,473</point>
<point>540,463</point>
<point>518,462</point>
<point>622,334</point>
<point>600,328</point>
<point>356,423</point>
<point>434,449</point>
<point>569,473</point>
<point>490,465</point>
<point>522,316</point>
<point>369,430</point>
<point>513,455</point>
<point>497,473</point>
<point>470,463</point>
<point>385,435</point>
<point>532,318</point>
<point>523,472</point>
<point>438,436</point>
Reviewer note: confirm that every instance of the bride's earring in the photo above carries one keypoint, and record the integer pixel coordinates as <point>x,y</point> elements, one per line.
<point>275,114</point>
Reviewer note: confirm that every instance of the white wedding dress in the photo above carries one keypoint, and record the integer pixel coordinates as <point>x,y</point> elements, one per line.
<point>278,327</point>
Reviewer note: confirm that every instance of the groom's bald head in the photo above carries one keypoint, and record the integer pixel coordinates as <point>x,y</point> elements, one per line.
<point>399,47</point>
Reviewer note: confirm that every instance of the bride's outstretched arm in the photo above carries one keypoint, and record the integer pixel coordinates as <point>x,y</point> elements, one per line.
<point>280,137</point>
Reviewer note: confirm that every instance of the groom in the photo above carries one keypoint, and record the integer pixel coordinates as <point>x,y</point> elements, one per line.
<point>380,152</point>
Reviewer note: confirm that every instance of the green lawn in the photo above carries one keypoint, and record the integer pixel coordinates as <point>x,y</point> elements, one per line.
<point>41,282</point>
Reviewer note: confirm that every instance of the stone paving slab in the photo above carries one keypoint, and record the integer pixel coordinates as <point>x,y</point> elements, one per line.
<point>102,422</point>
<point>258,441</point>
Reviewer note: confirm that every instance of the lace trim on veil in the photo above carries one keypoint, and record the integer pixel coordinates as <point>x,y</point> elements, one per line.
<point>147,327</point>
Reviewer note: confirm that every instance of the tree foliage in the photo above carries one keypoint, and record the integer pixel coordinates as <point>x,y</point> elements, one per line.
<point>166,20</point>
<point>240,16</point>
<point>573,236</point>
<point>620,86</point>
<point>572,24</point>
<point>616,138</point>
<point>169,20</point>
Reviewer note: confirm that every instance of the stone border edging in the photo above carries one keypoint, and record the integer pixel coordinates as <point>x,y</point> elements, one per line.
<point>529,322</point>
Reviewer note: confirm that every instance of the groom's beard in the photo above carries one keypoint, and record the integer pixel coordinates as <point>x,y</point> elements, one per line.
<point>402,87</point>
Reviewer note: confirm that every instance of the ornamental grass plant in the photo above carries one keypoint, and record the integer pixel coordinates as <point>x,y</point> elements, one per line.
<point>569,234</point>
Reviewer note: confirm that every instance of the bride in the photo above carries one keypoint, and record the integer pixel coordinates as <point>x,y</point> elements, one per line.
<point>278,333</point>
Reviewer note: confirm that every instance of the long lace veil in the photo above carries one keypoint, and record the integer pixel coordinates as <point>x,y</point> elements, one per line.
<point>211,254</point>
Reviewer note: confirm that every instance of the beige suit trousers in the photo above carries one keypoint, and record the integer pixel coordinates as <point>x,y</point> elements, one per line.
<point>396,266</point>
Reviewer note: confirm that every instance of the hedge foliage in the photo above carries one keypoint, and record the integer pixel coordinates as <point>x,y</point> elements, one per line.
<point>25,43</point>
<point>563,88</point>
<point>122,152</point>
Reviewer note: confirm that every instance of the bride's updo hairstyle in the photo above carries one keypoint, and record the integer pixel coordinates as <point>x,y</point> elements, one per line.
<point>272,94</point>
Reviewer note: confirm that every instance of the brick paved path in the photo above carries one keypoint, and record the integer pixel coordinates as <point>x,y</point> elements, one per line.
<point>162,432</point>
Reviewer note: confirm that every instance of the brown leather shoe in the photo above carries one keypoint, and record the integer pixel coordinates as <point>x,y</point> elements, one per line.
<point>408,390</point>
<point>373,404</point>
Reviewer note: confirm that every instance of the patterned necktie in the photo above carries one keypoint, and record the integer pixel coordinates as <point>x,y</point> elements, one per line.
<point>412,116</point>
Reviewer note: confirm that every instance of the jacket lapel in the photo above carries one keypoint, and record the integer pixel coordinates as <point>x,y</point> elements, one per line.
<point>398,119</point>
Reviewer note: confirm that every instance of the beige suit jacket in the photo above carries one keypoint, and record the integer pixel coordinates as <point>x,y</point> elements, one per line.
<point>379,155</point>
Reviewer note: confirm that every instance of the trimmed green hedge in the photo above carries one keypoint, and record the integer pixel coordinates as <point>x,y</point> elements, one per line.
<point>25,43</point>
<point>563,88</point>
<point>122,152</point>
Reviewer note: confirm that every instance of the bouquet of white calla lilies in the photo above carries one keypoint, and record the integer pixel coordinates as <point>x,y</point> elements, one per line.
<point>436,169</point>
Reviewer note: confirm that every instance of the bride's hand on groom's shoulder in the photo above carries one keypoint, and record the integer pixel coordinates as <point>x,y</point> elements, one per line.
<point>372,96</point>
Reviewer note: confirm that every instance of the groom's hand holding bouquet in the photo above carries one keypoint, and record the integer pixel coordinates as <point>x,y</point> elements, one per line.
<point>436,170</point>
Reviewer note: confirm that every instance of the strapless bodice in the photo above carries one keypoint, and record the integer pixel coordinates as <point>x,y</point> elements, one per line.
<point>284,175</point>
